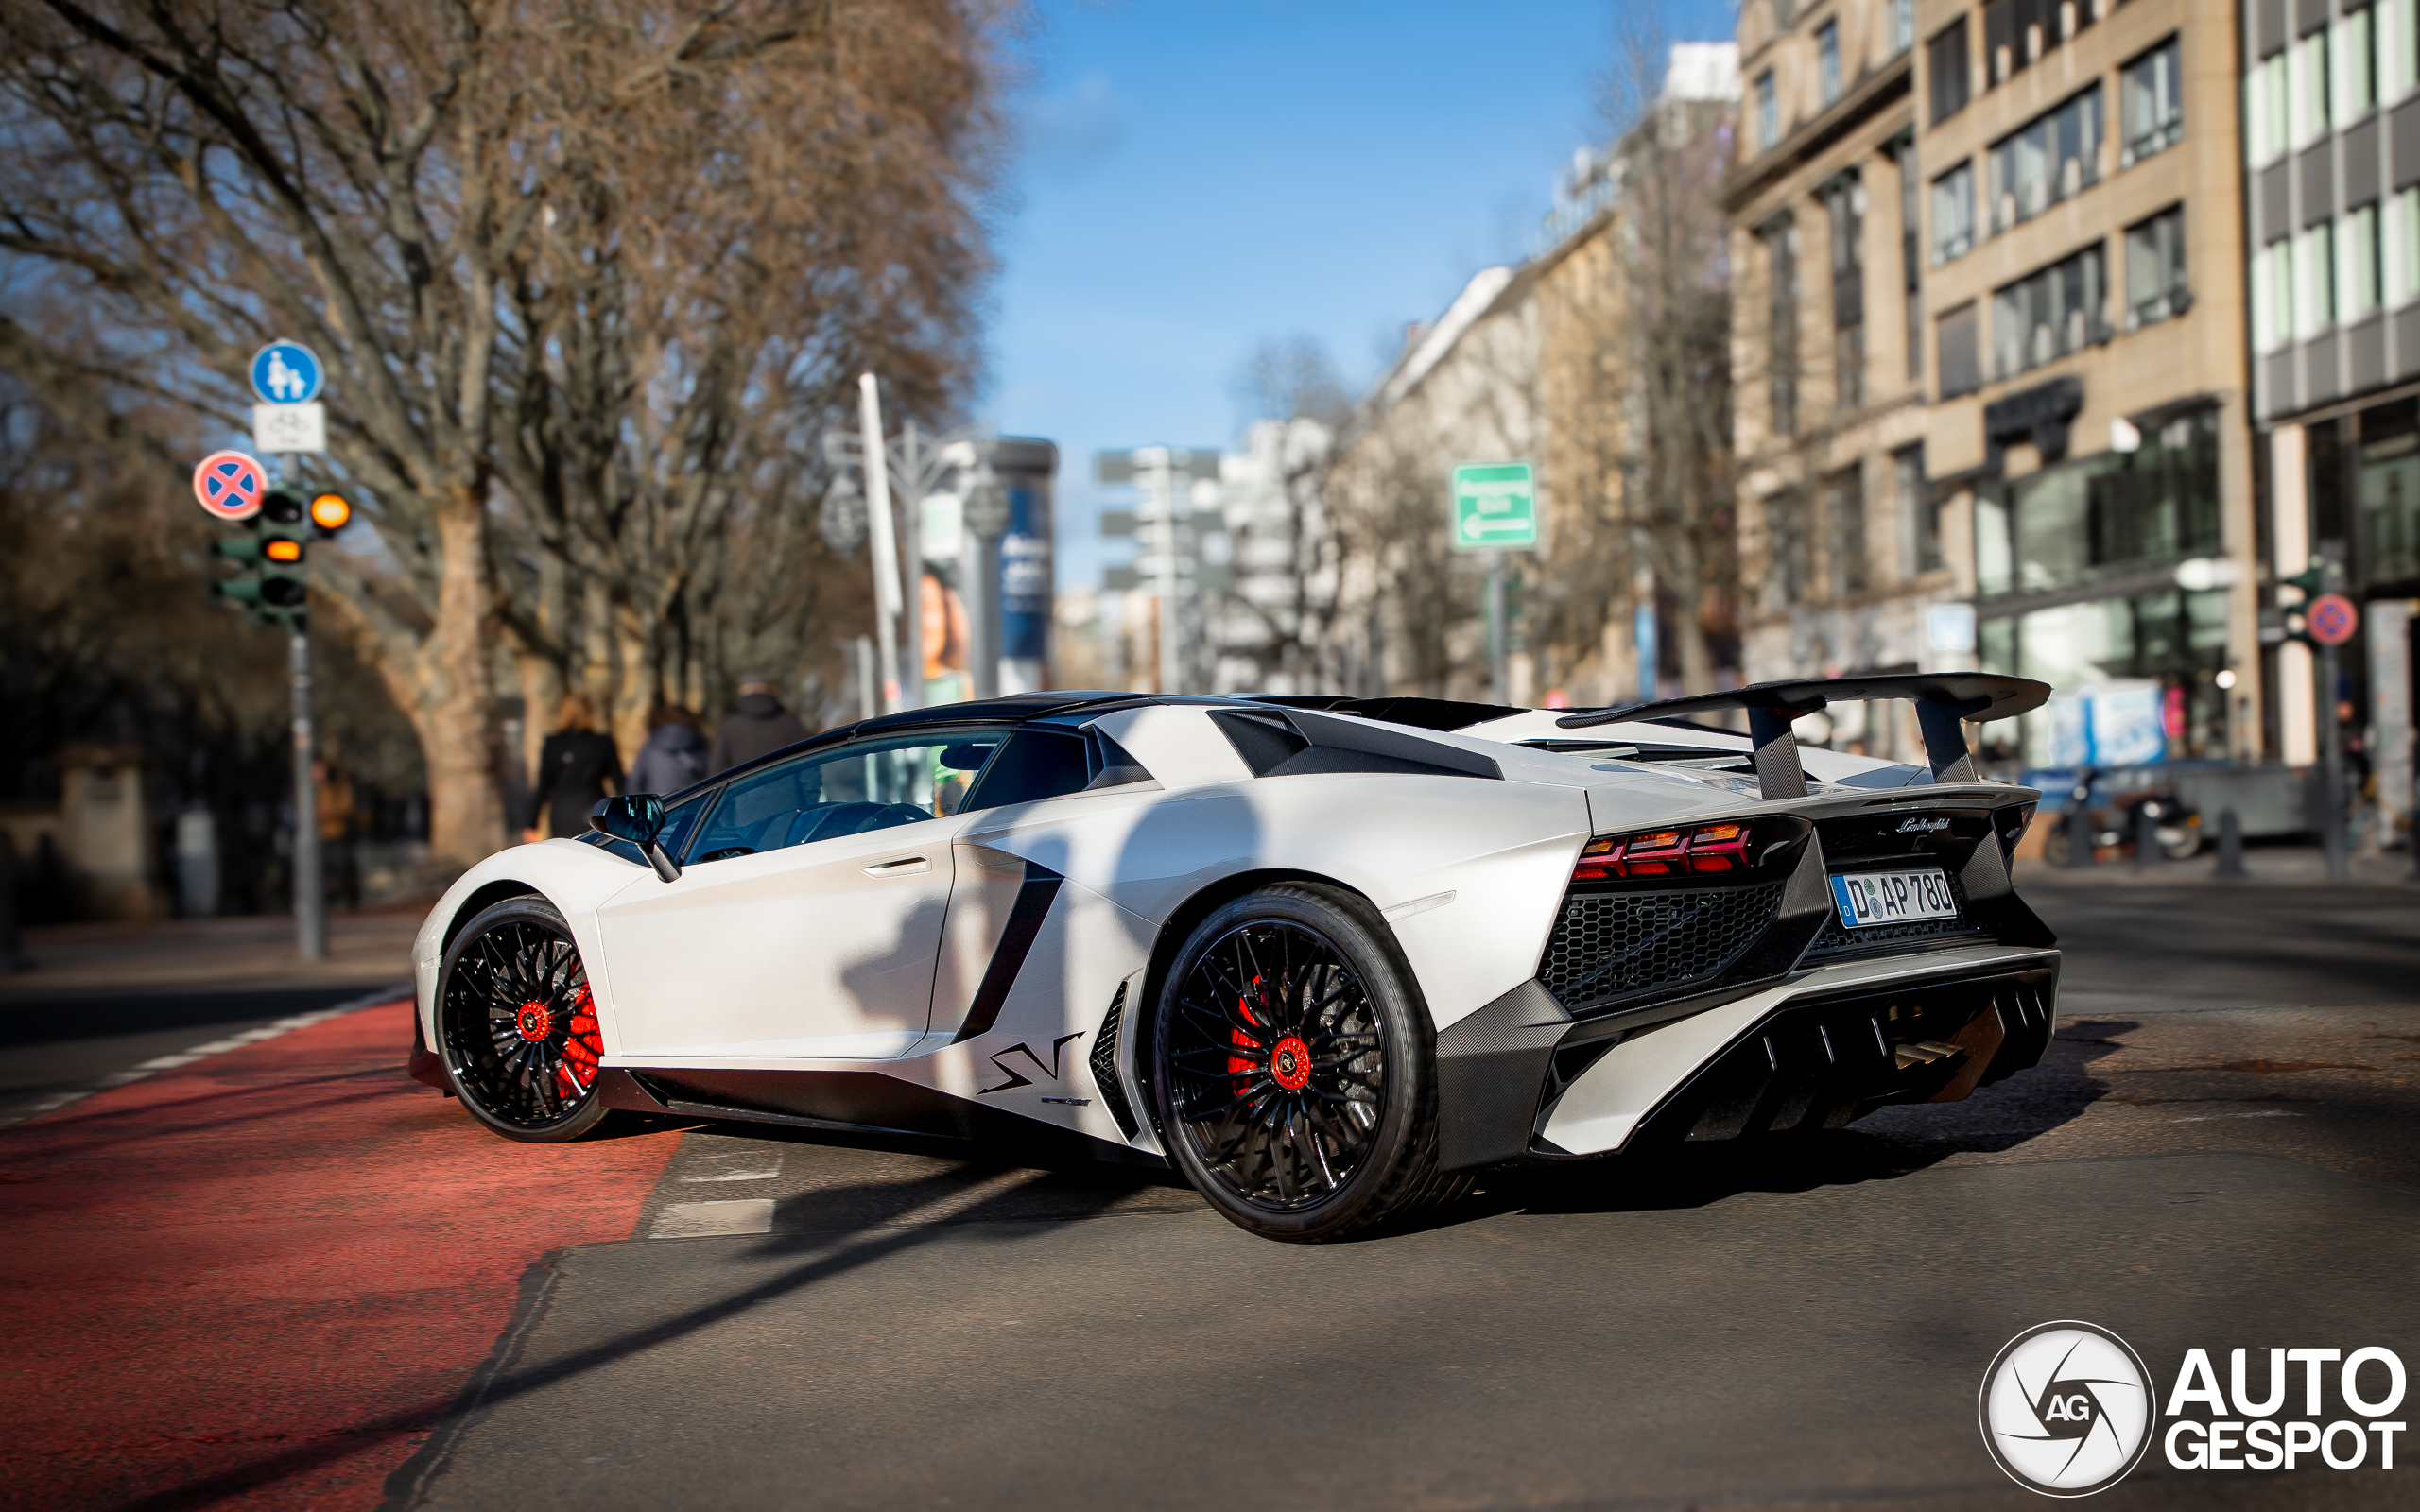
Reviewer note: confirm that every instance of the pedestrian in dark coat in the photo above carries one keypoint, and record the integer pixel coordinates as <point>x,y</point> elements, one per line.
<point>576,766</point>
<point>674,755</point>
<point>756,726</point>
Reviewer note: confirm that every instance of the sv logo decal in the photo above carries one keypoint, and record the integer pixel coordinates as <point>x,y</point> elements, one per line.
<point>1017,1078</point>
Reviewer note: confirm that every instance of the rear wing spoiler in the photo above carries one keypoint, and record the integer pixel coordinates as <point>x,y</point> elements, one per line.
<point>1943,701</point>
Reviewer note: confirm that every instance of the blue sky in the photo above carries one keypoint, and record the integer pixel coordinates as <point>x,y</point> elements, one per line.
<point>1193,176</point>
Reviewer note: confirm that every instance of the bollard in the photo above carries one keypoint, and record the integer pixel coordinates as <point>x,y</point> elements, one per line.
<point>2231,845</point>
<point>2146,837</point>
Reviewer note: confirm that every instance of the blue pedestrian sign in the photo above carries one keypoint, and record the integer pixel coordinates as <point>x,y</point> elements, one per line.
<point>286,372</point>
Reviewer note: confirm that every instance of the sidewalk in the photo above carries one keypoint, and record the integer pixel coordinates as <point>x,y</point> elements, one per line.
<point>217,954</point>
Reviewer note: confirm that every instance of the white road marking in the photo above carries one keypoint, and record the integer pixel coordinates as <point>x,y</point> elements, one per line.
<point>697,1220</point>
<point>766,1175</point>
<point>215,1047</point>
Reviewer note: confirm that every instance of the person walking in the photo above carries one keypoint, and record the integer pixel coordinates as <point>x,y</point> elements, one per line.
<point>756,726</point>
<point>674,755</point>
<point>576,766</point>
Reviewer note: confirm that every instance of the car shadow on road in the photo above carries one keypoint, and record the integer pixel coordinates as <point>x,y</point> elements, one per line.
<point>1890,1143</point>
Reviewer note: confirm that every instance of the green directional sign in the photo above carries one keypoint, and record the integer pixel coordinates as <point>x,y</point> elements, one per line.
<point>1496,507</point>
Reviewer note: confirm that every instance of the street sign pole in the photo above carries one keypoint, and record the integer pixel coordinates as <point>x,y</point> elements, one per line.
<point>2332,753</point>
<point>310,889</point>
<point>1499,679</point>
<point>1172,646</point>
<point>886,548</point>
<point>287,376</point>
<point>1495,510</point>
<point>310,875</point>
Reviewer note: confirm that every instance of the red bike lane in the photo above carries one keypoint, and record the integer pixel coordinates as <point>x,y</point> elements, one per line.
<point>261,1279</point>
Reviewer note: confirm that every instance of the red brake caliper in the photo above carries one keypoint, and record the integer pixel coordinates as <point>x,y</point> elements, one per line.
<point>1237,1065</point>
<point>584,1046</point>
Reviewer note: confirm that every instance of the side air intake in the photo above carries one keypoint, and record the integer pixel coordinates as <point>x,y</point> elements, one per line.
<point>1104,1064</point>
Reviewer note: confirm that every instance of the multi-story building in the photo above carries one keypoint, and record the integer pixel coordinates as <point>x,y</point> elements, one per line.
<point>2084,293</point>
<point>2332,205</point>
<point>2029,395</point>
<point>1843,551</point>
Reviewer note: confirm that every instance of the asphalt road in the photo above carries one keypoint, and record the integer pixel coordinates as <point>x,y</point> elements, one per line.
<point>2222,1151</point>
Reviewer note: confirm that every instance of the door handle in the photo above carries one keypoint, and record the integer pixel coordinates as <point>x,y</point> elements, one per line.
<point>903,866</point>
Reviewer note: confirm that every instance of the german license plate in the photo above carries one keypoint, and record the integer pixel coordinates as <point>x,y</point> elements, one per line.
<point>1869,897</point>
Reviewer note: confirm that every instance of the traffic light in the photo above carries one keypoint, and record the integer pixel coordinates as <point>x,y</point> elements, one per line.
<point>2288,618</point>
<point>276,583</point>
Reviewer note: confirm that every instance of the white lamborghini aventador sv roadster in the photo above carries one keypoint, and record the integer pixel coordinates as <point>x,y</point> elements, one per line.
<point>1327,957</point>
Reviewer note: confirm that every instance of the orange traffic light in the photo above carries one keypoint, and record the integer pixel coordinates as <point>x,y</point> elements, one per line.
<point>277,548</point>
<point>329,511</point>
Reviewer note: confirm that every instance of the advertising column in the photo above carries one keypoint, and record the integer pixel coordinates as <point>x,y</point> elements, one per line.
<point>1027,466</point>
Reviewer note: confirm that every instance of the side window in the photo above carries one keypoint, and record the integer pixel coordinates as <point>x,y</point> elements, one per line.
<point>1036,764</point>
<point>867,785</point>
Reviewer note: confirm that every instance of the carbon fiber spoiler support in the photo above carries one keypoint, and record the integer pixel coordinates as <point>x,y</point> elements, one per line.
<point>1943,701</point>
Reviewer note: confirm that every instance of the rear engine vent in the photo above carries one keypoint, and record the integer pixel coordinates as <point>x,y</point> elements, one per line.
<point>1615,945</point>
<point>1104,1064</point>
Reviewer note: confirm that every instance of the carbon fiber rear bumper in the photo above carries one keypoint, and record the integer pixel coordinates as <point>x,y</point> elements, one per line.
<point>1814,1052</point>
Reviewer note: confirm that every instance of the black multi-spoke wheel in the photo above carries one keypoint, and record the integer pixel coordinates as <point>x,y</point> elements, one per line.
<point>1294,1069</point>
<point>516,1026</point>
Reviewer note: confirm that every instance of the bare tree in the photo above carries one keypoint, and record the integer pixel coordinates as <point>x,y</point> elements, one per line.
<point>586,273</point>
<point>1642,409</point>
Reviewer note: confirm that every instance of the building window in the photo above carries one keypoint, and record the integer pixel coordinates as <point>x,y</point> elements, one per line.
<point>2046,315</point>
<point>1919,515</point>
<point>2017,32</point>
<point>1945,62</point>
<point>2389,530</point>
<point>2398,44</point>
<point>1827,60</point>
<point>2307,87</point>
<point>2355,56</point>
<point>2268,111</point>
<point>2273,294</point>
<point>1910,270</point>
<point>2315,280</point>
<point>2155,269</point>
<point>1787,549</point>
<point>1845,533</point>
<point>1768,113</point>
<point>1960,352</point>
<point>1953,213</point>
<point>2054,157</point>
<point>2358,262</point>
<point>1781,294</point>
<point>1844,200</point>
<point>2152,118</point>
<point>1902,26</point>
<point>2402,249</point>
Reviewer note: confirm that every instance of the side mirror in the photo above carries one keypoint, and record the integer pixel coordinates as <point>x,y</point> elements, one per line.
<point>637,817</point>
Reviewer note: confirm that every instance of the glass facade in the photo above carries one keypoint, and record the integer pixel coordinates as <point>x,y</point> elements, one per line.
<point>2116,518</point>
<point>2174,638</point>
<point>2099,517</point>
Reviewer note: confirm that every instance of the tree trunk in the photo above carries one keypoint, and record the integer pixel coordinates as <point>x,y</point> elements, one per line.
<point>454,711</point>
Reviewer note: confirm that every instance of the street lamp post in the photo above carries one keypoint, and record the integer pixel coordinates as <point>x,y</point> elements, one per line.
<point>918,462</point>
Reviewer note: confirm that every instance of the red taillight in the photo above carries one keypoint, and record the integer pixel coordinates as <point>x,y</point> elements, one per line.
<point>1664,853</point>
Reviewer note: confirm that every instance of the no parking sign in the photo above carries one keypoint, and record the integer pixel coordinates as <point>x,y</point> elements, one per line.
<point>230,485</point>
<point>2333,618</point>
